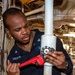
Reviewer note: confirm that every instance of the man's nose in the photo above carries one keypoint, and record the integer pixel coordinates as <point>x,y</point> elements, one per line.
<point>24,30</point>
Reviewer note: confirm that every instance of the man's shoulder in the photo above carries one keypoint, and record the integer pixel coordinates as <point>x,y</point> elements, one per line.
<point>38,31</point>
<point>13,50</point>
<point>14,53</point>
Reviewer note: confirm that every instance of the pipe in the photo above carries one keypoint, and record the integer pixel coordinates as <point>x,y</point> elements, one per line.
<point>48,40</point>
<point>48,17</point>
<point>33,17</point>
<point>35,11</point>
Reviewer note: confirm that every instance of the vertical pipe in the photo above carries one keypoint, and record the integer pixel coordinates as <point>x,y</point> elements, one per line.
<point>4,40</point>
<point>48,40</point>
<point>9,3</point>
<point>49,17</point>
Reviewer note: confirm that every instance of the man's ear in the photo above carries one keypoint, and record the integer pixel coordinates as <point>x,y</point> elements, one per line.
<point>7,31</point>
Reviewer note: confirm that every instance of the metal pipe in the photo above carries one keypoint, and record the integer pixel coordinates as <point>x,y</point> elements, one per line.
<point>4,40</point>
<point>48,40</point>
<point>33,17</point>
<point>35,11</point>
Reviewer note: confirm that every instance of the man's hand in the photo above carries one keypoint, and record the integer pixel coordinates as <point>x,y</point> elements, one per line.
<point>57,59</point>
<point>13,68</point>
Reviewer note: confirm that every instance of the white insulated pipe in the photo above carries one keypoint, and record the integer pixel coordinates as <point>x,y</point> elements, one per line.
<point>49,17</point>
<point>48,40</point>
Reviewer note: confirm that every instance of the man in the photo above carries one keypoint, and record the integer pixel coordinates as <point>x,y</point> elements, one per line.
<point>27,46</point>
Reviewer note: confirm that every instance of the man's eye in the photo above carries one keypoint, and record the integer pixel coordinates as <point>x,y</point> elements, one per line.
<point>17,30</point>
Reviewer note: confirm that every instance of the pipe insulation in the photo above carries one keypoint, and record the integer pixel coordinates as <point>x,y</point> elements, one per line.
<point>48,40</point>
<point>41,9</point>
<point>49,17</point>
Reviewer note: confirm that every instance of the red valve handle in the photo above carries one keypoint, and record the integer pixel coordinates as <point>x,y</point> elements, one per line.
<point>35,60</point>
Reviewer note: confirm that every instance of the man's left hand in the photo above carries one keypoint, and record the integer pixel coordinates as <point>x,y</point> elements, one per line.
<point>56,58</point>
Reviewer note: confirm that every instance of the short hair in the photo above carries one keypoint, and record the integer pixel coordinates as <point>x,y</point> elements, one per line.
<point>10,11</point>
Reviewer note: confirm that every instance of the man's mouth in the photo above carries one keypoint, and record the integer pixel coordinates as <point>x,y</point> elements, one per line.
<point>26,38</point>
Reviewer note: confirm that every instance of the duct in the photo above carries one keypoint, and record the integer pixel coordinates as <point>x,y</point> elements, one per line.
<point>35,11</point>
<point>66,12</point>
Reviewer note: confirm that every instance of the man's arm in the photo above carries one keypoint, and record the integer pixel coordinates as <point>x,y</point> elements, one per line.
<point>60,59</point>
<point>13,68</point>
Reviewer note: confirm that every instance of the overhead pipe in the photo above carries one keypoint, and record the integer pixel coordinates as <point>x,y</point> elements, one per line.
<point>48,40</point>
<point>41,9</point>
<point>39,16</point>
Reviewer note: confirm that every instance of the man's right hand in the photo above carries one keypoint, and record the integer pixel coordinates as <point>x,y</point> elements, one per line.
<point>13,68</point>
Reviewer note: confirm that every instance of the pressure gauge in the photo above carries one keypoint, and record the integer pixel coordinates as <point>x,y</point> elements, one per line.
<point>46,49</point>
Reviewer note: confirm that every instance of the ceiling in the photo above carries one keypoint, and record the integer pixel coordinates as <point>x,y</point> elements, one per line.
<point>64,12</point>
<point>64,17</point>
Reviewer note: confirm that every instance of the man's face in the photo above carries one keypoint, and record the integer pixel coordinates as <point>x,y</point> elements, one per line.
<point>18,28</point>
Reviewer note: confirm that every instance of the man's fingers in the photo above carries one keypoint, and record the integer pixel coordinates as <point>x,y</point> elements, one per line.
<point>52,55</point>
<point>13,67</point>
<point>8,62</point>
<point>53,61</point>
<point>56,55</point>
<point>9,66</point>
<point>55,52</point>
<point>18,64</point>
<point>58,52</point>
